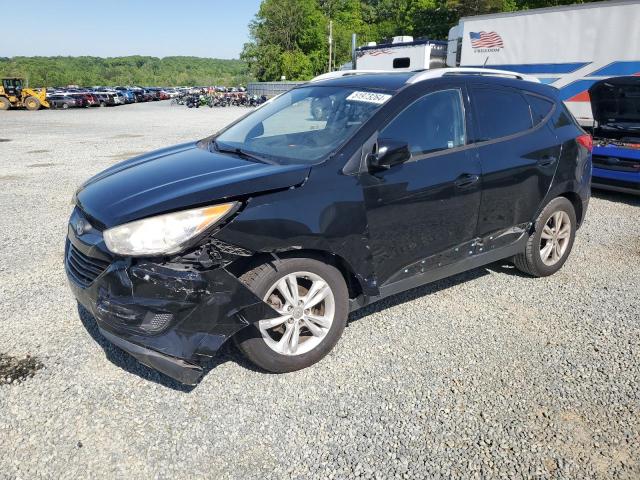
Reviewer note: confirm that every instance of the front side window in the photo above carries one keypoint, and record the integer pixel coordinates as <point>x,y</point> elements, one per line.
<point>303,125</point>
<point>432,123</point>
<point>500,112</point>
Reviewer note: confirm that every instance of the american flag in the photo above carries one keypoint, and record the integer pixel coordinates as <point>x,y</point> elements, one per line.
<point>485,40</point>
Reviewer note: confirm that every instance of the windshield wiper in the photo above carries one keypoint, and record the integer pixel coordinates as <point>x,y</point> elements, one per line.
<point>242,153</point>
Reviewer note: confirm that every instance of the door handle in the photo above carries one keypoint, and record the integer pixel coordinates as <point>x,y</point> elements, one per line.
<point>547,160</point>
<point>466,180</point>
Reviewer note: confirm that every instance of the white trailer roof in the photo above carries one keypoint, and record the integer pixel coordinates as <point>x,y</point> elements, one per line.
<point>559,8</point>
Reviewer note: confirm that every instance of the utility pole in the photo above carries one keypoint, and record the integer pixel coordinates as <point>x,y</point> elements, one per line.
<point>354,42</point>
<point>330,45</point>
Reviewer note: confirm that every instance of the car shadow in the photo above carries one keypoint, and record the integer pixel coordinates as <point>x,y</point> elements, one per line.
<point>618,197</point>
<point>230,353</point>
<point>502,266</point>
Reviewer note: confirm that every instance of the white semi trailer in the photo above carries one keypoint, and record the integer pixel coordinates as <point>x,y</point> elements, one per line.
<point>570,47</point>
<point>401,54</point>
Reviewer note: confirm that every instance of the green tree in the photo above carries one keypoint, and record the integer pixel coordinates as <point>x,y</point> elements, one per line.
<point>133,70</point>
<point>290,36</point>
<point>289,33</point>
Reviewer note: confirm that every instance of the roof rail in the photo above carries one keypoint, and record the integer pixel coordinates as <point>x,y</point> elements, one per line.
<point>442,72</point>
<point>344,73</point>
<point>422,75</point>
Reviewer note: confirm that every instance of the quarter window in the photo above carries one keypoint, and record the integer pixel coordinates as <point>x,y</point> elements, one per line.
<point>500,112</point>
<point>433,123</point>
<point>540,108</point>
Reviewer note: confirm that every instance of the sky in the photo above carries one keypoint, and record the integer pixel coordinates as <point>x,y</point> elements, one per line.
<point>160,28</point>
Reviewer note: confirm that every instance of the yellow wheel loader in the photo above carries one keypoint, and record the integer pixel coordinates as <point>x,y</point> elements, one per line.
<point>14,95</point>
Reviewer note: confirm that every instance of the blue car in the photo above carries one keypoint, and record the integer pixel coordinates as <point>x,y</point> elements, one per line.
<point>616,150</point>
<point>129,96</point>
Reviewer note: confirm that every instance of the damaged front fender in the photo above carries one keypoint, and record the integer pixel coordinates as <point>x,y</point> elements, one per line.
<point>169,316</point>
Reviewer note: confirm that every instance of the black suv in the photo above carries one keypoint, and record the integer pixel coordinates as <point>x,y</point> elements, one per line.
<point>274,229</point>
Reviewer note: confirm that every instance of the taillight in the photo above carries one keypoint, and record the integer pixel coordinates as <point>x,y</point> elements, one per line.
<point>586,141</point>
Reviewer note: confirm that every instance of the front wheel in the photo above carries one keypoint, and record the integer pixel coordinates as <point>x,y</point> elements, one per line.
<point>312,302</point>
<point>32,103</point>
<point>549,246</point>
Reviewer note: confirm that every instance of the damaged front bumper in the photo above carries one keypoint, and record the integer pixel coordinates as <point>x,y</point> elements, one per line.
<point>170,316</point>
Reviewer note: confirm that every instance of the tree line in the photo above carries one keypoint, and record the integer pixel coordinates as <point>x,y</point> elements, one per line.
<point>132,70</point>
<point>287,38</point>
<point>290,37</point>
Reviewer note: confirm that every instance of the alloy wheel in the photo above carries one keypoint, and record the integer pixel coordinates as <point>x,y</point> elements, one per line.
<point>306,306</point>
<point>555,238</point>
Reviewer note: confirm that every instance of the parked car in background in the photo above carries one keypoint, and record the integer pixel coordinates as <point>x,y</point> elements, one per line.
<point>411,178</point>
<point>154,93</point>
<point>90,100</point>
<point>129,96</point>
<point>108,99</point>
<point>615,103</point>
<point>66,101</point>
<point>139,94</point>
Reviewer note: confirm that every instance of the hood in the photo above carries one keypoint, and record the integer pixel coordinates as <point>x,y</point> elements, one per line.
<point>615,103</point>
<point>175,178</point>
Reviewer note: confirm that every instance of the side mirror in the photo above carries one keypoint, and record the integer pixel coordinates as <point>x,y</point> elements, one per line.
<point>390,153</point>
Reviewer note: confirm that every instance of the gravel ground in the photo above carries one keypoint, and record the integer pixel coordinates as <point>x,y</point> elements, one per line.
<point>489,374</point>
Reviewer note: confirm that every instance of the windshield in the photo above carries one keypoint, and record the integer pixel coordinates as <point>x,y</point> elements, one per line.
<point>303,125</point>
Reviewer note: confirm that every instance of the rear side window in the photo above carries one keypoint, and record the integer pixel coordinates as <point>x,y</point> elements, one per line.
<point>500,112</point>
<point>540,108</point>
<point>432,123</point>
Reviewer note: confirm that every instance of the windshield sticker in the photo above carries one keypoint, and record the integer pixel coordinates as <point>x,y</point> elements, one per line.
<point>369,97</point>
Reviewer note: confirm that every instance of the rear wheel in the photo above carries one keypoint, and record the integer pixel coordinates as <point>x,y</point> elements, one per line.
<point>65,105</point>
<point>549,246</point>
<point>32,103</point>
<point>311,299</point>
<point>4,103</point>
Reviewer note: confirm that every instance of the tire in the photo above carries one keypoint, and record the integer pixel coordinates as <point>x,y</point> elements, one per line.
<point>259,343</point>
<point>65,106</point>
<point>32,103</point>
<point>535,260</point>
<point>4,103</point>
<point>103,104</point>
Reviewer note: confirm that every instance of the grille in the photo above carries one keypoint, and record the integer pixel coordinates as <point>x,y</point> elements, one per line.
<point>615,163</point>
<point>158,322</point>
<point>82,268</point>
<point>230,249</point>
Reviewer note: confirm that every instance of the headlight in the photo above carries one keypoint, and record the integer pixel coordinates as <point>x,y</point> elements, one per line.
<point>164,234</point>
